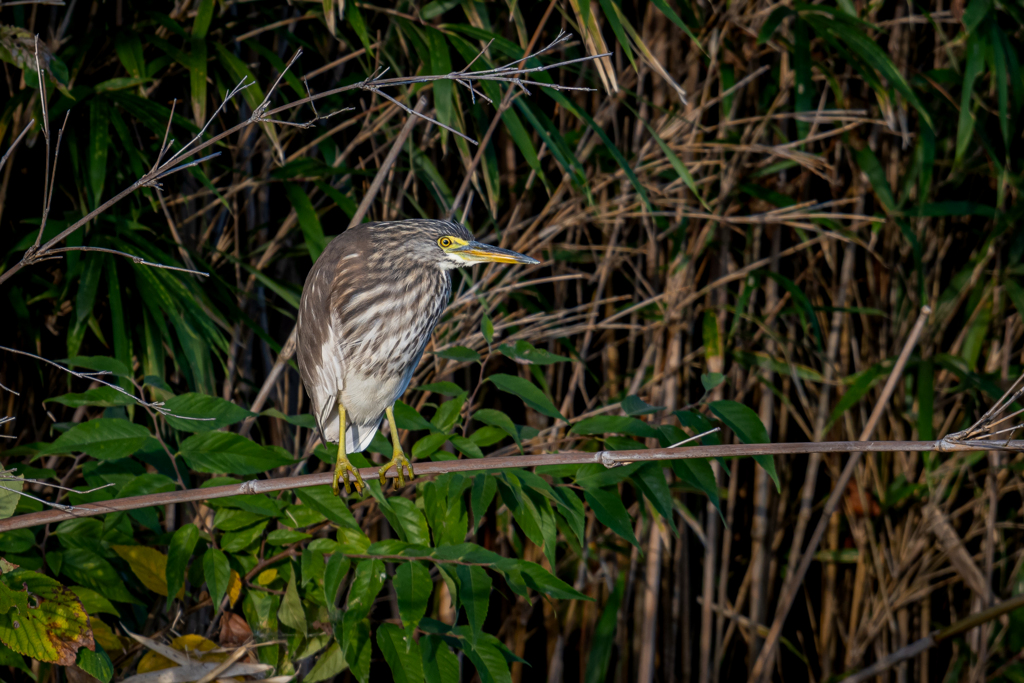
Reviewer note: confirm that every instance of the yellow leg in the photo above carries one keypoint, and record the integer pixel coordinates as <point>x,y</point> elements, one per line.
<point>398,459</point>
<point>343,467</point>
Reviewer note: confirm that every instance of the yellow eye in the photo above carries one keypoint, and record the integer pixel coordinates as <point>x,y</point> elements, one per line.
<point>445,242</point>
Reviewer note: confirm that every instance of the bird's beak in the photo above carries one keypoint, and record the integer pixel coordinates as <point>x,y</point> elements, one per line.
<point>476,252</point>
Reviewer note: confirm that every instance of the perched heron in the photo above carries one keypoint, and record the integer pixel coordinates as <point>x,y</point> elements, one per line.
<point>368,308</point>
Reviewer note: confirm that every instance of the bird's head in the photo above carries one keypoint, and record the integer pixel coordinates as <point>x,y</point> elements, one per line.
<point>444,244</point>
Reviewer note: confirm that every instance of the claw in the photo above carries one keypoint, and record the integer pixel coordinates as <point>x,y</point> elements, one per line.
<point>342,466</point>
<point>398,460</point>
<point>341,472</point>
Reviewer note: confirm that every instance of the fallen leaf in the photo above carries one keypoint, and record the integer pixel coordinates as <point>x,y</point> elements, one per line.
<point>233,630</point>
<point>192,644</point>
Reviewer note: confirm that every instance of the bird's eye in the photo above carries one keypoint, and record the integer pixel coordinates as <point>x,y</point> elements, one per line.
<point>445,242</point>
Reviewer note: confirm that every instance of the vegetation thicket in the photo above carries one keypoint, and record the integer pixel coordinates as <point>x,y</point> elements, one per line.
<point>794,222</point>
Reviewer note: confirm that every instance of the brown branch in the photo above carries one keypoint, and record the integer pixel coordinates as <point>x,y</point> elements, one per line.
<point>607,458</point>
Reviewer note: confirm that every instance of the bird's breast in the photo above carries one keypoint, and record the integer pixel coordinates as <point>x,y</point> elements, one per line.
<point>384,336</point>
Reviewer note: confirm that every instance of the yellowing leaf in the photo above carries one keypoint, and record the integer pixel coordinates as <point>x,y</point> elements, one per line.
<point>266,577</point>
<point>149,564</point>
<point>105,636</point>
<point>52,627</point>
<point>153,661</point>
<point>193,644</point>
<point>234,587</point>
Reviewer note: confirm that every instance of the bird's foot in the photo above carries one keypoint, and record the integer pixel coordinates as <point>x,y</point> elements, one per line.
<point>341,472</point>
<point>398,460</point>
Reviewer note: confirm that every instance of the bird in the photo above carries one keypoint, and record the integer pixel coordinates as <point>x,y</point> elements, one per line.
<point>368,308</point>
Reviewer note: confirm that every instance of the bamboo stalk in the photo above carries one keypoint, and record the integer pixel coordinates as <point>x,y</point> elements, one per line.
<point>606,458</point>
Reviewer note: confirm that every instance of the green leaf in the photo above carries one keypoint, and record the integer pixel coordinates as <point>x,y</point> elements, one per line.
<point>490,663</point>
<point>412,587</point>
<point>309,222</point>
<point>366,584</point>
<point>484,489</point>
<point>88,569</point>
<point>459,353</point>
<point>327,666</point>
<point>229,453</point>
<point>9,495</point>
<point>214,411</point>
<point>102,438</point>
<point>428,445</point>
<point>698,474</point>
<point>204,15</point>
<point>863,381</point>
<point>475,595</point>
<point>179,551</point>
<point>53,626</point>
<point>406,417</point>
<point>524,389</point>
<point>678,166</point>
<point>401,652</point>
<point>604,635</point>
<point>650,479</point>
<point>355,20</point>
<point>414,527</point>
<point>291,612</point>
<point>612,18</point>
<point>101,397</point>
<point>617,424</point>
<point>769,26</point>
<point>466,446</point>
<point>336,569</point>
<point>230,519</point>
<point>218,574</point>
<point>96,663</point>
<point>487,329</point>
<point>443,388</point>
<point>710,380</point>
<point>610,511</point>
<point>286,537</point>
<point>323,500</point>
<point>236,541</point>
<point>496,418</point>
<point>99,143</point>
<point>740,419</point>
<point>541,580</point>
<point>93,602</point>
<point>440,665</point>
<point>868,162</point>
<point>526,353</point>
<point>711,337</point>
<point>749,428</point>
<point>447,413</point>
<point>972,69</point>
<point>633,405</point>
